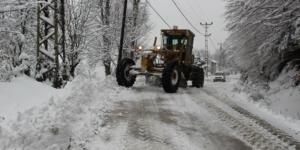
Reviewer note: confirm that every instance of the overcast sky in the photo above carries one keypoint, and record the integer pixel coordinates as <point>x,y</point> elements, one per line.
<point>197,11</point>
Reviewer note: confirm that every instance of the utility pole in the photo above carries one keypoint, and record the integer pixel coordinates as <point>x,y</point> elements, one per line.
<point>135,19</point>
<point>122,32</point>
<point>207,35</point>
<point>222,57</point>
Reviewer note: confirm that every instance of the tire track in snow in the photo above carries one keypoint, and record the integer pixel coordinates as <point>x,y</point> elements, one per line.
<point>155,120</point>
<point>267,126</point>
<point>141,132</point>
<point>283,136</point>
<point>247,128</point>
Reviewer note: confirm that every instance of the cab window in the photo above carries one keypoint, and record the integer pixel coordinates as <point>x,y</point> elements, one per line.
<point>175,42</point>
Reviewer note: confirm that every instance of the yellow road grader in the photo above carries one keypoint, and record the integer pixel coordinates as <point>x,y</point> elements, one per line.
<point>173,63</point>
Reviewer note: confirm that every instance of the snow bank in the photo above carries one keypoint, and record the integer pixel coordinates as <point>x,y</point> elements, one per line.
<point>279,105</point>
<point>65,121</point>
<point>280,96</point>
<point>283,97</point>
<point>22,93</point>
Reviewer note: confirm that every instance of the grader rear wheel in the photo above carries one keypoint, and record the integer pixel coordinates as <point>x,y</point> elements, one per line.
<point>197,77</point>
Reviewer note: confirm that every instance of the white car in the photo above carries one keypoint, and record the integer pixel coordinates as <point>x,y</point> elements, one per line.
<point>219,77</point>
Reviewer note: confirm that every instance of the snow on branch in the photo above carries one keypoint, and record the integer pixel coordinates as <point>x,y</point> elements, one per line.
<point>17,6</point>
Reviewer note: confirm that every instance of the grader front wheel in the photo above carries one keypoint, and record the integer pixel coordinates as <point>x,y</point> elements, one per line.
<point>171,77</point>
<point>124,78</point>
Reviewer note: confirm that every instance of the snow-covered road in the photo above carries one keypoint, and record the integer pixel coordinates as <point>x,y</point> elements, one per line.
<point>190,119</point>
<point>98,114</point>
<point>152,119</point>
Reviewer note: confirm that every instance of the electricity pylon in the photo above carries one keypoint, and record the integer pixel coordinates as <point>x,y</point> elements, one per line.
<point>51,41</point>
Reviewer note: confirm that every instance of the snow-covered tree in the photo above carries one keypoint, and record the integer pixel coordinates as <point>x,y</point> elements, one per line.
<point>263,35</point>
<point>92,32</point>
<point>17,31</point>
<point>106,30</point>
<point>221,57</point>
<point>78,14</point>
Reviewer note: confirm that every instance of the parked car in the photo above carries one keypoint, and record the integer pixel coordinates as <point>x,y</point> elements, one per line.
<point>219,77</point>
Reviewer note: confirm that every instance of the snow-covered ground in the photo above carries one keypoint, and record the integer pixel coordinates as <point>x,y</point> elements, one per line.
<point>280,116</point>
<point>281,98</point>
<point>22,93</point>
<point>95,113</point>
<point>98,114</point>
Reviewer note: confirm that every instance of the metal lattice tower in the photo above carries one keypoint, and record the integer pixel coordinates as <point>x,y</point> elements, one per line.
<point>207,35</point>
<point>51,40</point>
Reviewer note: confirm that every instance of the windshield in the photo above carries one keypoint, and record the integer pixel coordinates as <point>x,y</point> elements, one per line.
<point>174,42</point>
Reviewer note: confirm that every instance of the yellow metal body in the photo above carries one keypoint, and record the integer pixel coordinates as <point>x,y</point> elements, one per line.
<point>170,52</point>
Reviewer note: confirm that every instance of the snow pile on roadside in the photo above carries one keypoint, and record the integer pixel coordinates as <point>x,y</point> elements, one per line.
<point>22,93</point>
<point>284,98</point>
<point>264,103</point>
<point>68,121</point>
<point>280,96</point>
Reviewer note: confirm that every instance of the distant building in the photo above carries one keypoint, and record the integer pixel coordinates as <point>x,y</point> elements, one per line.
<point>213,66</point>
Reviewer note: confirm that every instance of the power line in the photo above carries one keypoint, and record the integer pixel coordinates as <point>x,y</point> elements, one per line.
<point>200,9</point>
<point>194,11</point>
<point>212,41</point>
<point>185,17</point>
<point>158,14</point>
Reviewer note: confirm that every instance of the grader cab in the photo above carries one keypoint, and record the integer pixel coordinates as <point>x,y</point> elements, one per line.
<point>172,62</point>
